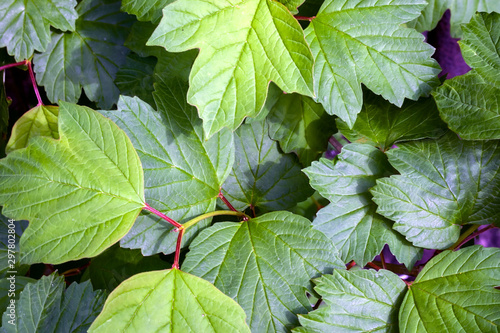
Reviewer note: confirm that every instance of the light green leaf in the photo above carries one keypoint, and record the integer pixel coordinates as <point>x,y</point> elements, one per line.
<point>39,121</point>
<point>262,176</point>
<point>81,193</point>
<point>25,24</point>
<point>299,124</point>
<point>455,293</point>
<point>45,306</point>
<point>356,42</point>
<point>382,124</point>
<point>443,184</point>
<point>265,264</point>
<point>461,12</point>
<point>350,220</point>
<point>136,77</point>
<point>183,172</point>
<point>357,301</point>
<point>10,289</point>
<point>145,10</point>
<point>116,264</point>
<point>470,104</point>
<point>87,58</point>
<point>10,233</point>
<point>169,301</point>
<point>243,46</point>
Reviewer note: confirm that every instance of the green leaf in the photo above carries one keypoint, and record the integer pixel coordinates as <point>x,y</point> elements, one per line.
<point>39,121</point>
<point>470,104</point>
<point>455,293</point>
<point>10,289</point>
<point>443,184</point>
<point>350,220</point>
<point>265,264</point>
<point>45,306</point>
<point>382,124</point>
<point>183,172</point>
<point>357,301</point>
<point>169,301</point>
<point>87,58</point>
<point>262,176</point>
<point>356,42</point>
<point>81,193</point>
<point>299,124</point>
<point>116,264</point>
<point>145,10</point>
<point>136,77</point>
<point>10,233</point>
<point>243,46</point>
<point>461,12</point>
<point>25,24</point>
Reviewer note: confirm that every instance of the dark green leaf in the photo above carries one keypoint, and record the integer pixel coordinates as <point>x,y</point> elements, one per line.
<point>455,293</point>
<point>25,24</point>
<point>87,58</point>
<point>183,172</point>
<point>443,184</point>
<point>382,124</point>
<point>243,47</point>
<point>136,77</point>
<point>265,264</point>
<point>10,289</point>
<point>262,176</point>
<point>169,301</point>
<point>350,220</point>
<point>10,233</point>
<point>470,104</point>
<point>81,193</point>
<point>145,10</point>
<point>299,124</point>
<point>358,41</point>
<point>357,301</point>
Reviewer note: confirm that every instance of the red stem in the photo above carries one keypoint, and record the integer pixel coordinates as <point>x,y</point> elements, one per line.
<point>372,265</point>
<point>228,204</point>
<point>33,81</point>
<point>304,18</point>
<point>163,216</point>
<point>474,235</point>
<point>13,65</point>
<point>175,265</point>
<point>382,259</point>
<point>350,265</point>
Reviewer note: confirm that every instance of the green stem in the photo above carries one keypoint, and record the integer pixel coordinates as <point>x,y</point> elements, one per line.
<point>216,213</point>
<point>464,236</point>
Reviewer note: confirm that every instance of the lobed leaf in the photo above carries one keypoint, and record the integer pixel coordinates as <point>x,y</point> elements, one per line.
<point>243,45</point>
<point>183,171</point>
<point>81,193</point>
<point>356,301</point>
<point>350,220</point>
<point>470,103</point>
<point>169,301</point>
<point>136,77</point>
<point>265,264</point>
<point>455,293</point>
<point>443,184</point>
<point>356,41</point>
<point>145,10</point>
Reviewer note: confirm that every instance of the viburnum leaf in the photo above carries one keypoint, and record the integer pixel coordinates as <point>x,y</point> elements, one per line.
<point>116,264</point>
<point>25,24</point>
<point>243,45</point>
<point>81,193</point>
<point>19,282</point>
<point>17,228</point>
<point>145,10</point>
<point>470,103</point>
<point>183,171</point>
<point>358,41</point>
<point>299,124</point>
<point>356,301</point>
<point>136,77</point>
<point>443,184</point>
<point>87,58</point>
<point>39,121</point>
<point>265,264</point>
<point>350,220</point>
<point>44,306</point>
<point>169,301</point>
<point>461,12</point>
<point>455,292</point>
<point>262,176</point>
<point>382,124</point>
